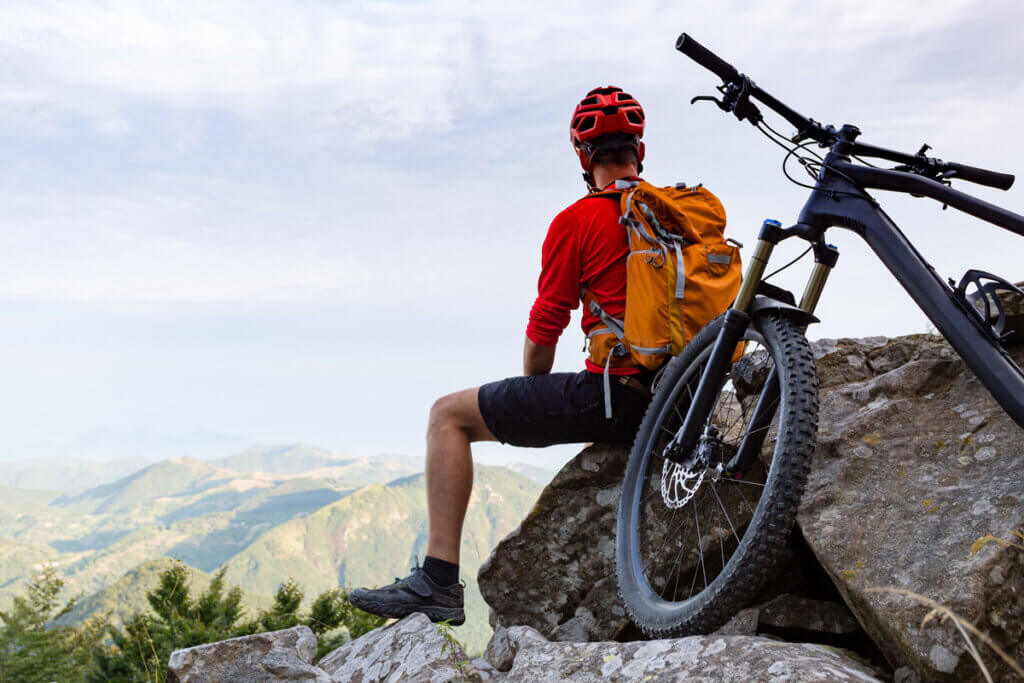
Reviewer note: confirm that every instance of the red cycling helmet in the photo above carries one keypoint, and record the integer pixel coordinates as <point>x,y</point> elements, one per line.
<point>603,111</point>
<point>606,117</point>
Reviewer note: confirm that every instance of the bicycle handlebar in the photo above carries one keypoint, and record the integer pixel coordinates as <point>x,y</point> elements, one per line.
<point>826,136</point>
<point>981,176</point>
<point>706,58</point>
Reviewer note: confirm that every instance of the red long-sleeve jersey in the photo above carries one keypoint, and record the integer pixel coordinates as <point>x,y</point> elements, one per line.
<point>585,247</point>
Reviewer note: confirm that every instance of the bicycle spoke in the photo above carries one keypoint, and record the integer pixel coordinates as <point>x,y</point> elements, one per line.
<point>671,533</point>
<point>742,481</point>
<point>699,548</point>
<point>675,565</point>
<point>729,521</point>
<point>739,492</point>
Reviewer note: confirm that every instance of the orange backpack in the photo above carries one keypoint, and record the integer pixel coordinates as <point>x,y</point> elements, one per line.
<point>680,274</point>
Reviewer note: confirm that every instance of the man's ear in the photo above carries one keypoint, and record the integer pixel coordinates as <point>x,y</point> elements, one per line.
<point>640,152</point>
<point>584,159</point>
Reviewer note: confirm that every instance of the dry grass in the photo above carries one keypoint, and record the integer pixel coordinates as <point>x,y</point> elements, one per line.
<point>945,615</point>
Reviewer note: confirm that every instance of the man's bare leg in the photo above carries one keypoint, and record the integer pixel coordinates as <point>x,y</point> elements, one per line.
<point>455,423</point>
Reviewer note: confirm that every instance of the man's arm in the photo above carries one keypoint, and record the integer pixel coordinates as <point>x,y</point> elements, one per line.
<point>537,359</point>
<point>558,292</point>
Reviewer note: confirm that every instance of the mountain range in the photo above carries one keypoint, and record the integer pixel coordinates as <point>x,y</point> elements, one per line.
<point>266,514</point>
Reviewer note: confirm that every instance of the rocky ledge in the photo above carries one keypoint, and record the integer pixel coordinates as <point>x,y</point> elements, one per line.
<point>915,489</point>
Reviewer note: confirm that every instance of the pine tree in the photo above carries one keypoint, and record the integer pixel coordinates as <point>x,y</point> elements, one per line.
<point>32,647</point>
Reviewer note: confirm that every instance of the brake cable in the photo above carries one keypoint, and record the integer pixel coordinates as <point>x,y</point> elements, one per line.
<point>793,262</point>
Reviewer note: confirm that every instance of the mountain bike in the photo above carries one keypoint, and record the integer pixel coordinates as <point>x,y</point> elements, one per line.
<point>720,462</point>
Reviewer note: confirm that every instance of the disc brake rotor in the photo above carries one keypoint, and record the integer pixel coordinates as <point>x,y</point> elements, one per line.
<point>679,483</point>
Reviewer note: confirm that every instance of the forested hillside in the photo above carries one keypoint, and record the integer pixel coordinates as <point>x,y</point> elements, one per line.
<point>266,514</point>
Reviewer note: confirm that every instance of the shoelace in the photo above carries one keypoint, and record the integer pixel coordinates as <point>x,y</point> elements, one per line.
<point>415,568</point>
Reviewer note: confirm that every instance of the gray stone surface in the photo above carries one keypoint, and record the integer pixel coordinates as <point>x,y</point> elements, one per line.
<point>556,571</point>
<point>697,658</point>
<point>744,623</point>
<point>916,462</point>
<point>275,656</point>
<point>412,649</point>
<point>498,652</point>
<point>792,611</point>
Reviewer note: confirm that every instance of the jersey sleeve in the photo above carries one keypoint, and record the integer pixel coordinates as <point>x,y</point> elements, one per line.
<point>558,287</point>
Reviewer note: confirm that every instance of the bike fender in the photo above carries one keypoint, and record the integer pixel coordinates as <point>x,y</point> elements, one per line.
<point>763,304</point>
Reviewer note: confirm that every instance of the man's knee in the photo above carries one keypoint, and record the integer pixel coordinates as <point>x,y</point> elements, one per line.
<point>458,411</point>
<point>448,412</point>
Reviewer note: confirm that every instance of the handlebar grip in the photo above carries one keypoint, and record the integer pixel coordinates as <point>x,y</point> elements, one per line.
<point>1002,181</point>
<point>706,58</point>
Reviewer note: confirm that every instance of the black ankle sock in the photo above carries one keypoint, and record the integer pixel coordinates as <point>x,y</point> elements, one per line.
<point>441,572</point>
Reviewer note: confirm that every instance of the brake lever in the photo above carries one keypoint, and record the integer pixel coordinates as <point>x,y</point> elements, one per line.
<point>710,98</point>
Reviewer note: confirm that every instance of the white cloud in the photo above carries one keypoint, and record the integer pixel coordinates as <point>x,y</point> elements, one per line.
<point>374,161</point>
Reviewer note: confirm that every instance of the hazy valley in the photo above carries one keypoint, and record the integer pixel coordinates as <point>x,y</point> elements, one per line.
<point>265,514</point>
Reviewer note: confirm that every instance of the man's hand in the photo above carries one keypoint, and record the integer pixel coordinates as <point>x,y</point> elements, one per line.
<point>537,359</point>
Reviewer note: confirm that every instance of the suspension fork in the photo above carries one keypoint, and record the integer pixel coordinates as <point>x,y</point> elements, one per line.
<point>825,258</point>
<point>681,448</point>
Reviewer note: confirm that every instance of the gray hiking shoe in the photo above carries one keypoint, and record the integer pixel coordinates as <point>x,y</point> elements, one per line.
<point>415,593</point>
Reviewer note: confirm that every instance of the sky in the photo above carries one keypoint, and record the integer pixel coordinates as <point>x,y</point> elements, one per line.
<point>235,223</point>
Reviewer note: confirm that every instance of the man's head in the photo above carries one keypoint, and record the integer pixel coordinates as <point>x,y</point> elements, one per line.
<point>605,129</point>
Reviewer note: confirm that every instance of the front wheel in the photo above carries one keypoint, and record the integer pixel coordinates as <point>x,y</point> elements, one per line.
<point>695,543</point>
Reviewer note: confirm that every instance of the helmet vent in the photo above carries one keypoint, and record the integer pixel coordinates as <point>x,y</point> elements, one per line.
<point>586,124</point>
<point>589,100</point>
<point>634,117</point>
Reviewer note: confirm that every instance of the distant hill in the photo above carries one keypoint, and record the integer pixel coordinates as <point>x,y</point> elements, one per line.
<point>18,563</point>
<point>373,535</point>
<point>160,480</point>
<point>290,459</point>
<point>310,461</point>
<point>537,475</point>
<point>346,521</point>
<point>67,475</point>
<point>126,596</point>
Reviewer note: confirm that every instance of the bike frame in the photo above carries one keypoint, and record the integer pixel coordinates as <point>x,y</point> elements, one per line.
<point>839,200</point>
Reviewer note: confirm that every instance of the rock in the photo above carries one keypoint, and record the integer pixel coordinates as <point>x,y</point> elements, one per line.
<point>499,653</point>
<point>697,658</point>
<point>556,572</point>
<point>915,462</point>
<point>275,656</point>
<point>412,649</point>
<point>743,624</point>
<point>795,612</point>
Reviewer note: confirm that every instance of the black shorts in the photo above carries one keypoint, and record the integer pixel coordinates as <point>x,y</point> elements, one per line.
<point>563,407</point>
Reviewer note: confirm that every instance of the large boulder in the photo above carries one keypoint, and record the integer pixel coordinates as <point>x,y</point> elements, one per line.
<point>915,463</point>
<point>275,656</point>
<point>412,649</point>
<point>556,571</point>
<point>697,658</point>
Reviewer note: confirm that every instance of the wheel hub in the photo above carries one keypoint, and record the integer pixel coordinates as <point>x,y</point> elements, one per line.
<point>680,482</point>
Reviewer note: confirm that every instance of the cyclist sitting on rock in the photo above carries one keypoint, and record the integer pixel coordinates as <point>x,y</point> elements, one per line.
<point>584,258</point>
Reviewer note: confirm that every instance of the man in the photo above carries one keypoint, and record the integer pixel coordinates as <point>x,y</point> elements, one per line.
<point>585,250</point>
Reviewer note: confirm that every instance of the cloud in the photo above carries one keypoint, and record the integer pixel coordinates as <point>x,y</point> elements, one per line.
<point>221,173</point>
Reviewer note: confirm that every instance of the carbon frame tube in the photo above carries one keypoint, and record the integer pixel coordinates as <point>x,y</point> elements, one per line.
<point>898,181</point>
<point>839,203</point>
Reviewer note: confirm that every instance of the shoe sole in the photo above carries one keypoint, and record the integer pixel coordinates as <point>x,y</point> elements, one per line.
<point>456,616</point>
